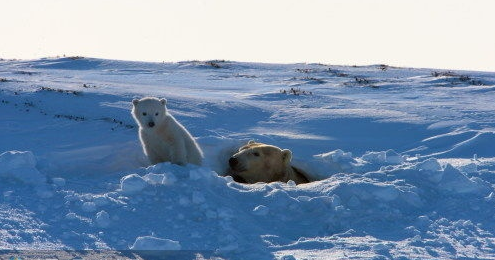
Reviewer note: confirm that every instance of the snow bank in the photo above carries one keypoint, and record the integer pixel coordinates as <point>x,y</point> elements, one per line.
<point>191,203</point>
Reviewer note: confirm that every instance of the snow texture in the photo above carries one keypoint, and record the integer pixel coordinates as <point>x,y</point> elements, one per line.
<point>402,160</point>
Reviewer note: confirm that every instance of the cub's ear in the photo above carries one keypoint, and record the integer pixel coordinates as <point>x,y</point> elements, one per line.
<point>135,101</point>
<point>286,156</point>
<point>251,142</point>
<point>163,101</point>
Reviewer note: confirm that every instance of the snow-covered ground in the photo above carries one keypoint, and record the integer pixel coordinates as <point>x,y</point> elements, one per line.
<point>403,160</point>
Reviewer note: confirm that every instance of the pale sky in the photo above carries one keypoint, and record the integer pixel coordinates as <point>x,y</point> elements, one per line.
<point>450,34</point>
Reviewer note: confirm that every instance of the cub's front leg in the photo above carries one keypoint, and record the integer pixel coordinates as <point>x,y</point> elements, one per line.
<point>179,155</point>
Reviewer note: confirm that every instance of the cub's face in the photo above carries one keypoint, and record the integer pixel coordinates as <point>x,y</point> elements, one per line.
<point>257,162</point>
<point>148,111</point>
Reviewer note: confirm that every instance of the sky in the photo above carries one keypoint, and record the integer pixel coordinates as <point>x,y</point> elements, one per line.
<point>448,34</point>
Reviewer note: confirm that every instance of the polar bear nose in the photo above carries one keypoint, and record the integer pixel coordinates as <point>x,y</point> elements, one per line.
<point>151,124</point>
<point>233,162</point>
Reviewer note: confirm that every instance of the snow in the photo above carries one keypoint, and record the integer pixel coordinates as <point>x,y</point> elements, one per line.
<point>401,160</point>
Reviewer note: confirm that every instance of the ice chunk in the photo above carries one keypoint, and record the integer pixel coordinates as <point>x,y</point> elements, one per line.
<point>103,219</point>
<point>431,170</point>
<point>198,197</point>
<point>469,168</point>
<point>153,178</point>
<point>374,157</point>
<point>101,200</point>
<point>169,179</point>
<point>88,206</point>
<point>354,202</point>
<point>326,164</point>
<point>44,191</point>
<point>431,164</point>
<point>201,174</point>
<point>389,157</point>
<point>154,243</point>
<point>393,157</point>
<point>386,193</point>
<point>71,216</point>
<point>17,159</point>
<point>455,181</point>
<point>261,210</point>
<point>60,182</point>
<point>335,156</point>
<point>132,183</point>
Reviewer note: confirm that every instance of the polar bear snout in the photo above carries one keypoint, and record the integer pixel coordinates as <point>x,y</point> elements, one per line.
<point>236,165</point>
<point>233,162</point>
<point>151,124</point>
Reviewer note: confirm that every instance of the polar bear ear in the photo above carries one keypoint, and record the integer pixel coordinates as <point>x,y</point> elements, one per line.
<point>135,101</point>
<point>163,101</point>
<point>251,142</point>
<point>286,156</point>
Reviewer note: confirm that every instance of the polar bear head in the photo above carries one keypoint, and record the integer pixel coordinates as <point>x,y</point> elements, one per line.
<point>258,162</point>
<point>149,111</point>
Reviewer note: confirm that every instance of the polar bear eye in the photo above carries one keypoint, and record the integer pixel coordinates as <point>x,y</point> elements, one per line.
<point>144,114</point>
<point>256,154</point>
<point>156,114</point>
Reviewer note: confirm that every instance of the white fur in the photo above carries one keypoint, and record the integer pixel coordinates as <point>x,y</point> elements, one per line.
<point>167,140</point>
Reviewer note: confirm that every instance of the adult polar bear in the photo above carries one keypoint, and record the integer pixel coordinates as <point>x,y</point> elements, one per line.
<point>163,138</point>
<point>259,162</point>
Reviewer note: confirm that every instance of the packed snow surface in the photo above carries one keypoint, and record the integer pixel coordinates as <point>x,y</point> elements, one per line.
<point>402,160</point>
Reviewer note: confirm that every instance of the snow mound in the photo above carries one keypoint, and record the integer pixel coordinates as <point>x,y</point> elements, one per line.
<point>322,166</point>
<point>20,166</point>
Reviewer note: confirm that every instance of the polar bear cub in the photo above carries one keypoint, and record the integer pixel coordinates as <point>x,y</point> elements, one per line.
<point>163,138</point>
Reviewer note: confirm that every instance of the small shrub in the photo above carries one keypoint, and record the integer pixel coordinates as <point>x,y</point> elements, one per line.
<point>88,86</point>
<point>361,81</point>
<point>65,91</point>
<point>214,63</point>
<point>296,92</point>
<point>306,70</point>
<point>457,78</point>
<point>337,73</point>
<point>449,73</point>
<point>22,72</point>
<point>237,75</point>
<point>383,67</point>
<point>75,57</point>
<point>314,80</point>
<point>118,123</point>
<point>70,117</point>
